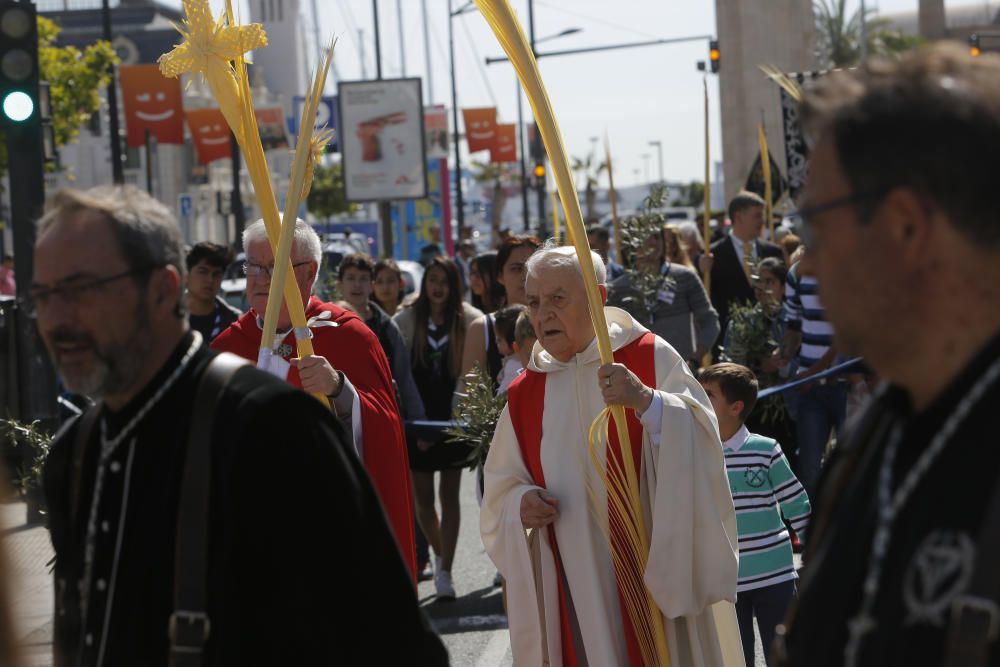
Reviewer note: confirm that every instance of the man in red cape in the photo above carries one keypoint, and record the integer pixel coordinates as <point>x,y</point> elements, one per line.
<point>349,367</point>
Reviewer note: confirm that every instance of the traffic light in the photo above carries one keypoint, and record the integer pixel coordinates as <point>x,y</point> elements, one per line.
<point>714,55</point>
<point>974,46</point>
<point>539,174</point>
<point>18,64</point>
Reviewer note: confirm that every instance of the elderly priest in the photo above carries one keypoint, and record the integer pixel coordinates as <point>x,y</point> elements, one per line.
<point>566,586</point>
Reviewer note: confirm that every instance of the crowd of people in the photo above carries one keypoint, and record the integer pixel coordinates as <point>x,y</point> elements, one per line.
<point>161,495</point>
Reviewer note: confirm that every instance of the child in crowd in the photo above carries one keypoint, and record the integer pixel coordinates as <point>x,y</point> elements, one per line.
<point>764,490</point>
<point>524,338</point>
<point>504,324</point>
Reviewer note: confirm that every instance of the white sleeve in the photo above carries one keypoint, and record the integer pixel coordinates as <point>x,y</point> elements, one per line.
<point>652,417</point>
<point>347,407</point>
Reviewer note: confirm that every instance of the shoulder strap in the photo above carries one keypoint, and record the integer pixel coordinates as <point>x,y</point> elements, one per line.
<point>189,625</point>
<point>975,616</point>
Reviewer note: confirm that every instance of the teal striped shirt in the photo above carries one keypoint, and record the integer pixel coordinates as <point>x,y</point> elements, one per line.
<point>764,490</point>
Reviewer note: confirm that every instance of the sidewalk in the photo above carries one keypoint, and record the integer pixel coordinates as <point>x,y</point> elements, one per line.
<point>28,550</point>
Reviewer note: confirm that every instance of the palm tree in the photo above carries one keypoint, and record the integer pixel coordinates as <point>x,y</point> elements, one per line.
<point>591,173</point>
<point>838,36</point>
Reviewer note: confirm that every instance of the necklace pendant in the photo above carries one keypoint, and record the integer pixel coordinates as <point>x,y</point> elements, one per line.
<point>857,628</point>
<point>284,350</point>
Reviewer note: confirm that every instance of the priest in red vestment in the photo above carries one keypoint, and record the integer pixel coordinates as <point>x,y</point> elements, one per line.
<point>567,583</point>
<point>349,367</point>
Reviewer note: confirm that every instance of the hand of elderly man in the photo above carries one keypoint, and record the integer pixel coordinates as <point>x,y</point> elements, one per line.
<point>318,376</point>
<point>539,508</point>
<point>620,386</point>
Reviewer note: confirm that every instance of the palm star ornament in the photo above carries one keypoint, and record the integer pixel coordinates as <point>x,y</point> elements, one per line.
<point>208,48</point>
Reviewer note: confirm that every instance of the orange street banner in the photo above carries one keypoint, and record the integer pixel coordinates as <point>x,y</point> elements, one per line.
<point>271,125</point>
<point>151,102</point>
<point>504,148</point>
<point>480,128</point>
<point>210,134</point>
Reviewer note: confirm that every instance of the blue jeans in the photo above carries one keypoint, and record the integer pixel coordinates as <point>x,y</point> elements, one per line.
<point>821,409</point>
<point>769,604</point>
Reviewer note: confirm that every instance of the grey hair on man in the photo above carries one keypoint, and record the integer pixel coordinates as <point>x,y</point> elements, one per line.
<point>146,231</point>
<point>552,255</point>
<point>306,245</point>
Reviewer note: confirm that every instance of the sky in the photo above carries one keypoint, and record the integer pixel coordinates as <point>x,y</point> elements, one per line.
<point>635,96</point>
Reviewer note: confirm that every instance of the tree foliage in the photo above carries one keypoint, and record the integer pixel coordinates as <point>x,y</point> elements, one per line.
<point>327,197</point>
<point>838,35</point>
<point>590,169</point>
<point>75,78</point>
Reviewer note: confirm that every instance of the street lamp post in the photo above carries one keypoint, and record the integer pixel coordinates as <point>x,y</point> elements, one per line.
<point>520,134</point>
<point>659,150</point>
<point>645,164</point>
<point>459,199</point>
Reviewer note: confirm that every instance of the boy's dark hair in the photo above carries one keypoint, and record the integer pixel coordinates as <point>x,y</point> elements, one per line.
<point>742,201</point>
<point>737,383</point>
<point>213,254</point>
<point>356,260</point>
<point>602,233</point>
<point>523,329</point>
<point>505,322</point>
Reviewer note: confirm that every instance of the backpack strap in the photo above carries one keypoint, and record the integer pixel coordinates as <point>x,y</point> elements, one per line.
<point>975,616</point>
<point>189,626</point>
<point>84,429</point>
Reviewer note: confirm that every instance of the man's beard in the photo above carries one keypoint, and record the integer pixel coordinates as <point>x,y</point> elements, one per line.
<point>115,368</point>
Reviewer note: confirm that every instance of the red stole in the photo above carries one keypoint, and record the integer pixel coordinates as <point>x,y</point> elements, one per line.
<point>526,400</point>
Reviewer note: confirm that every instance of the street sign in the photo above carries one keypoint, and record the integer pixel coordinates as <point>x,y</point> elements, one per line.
<point>326,116</point>
<point>185,205</point>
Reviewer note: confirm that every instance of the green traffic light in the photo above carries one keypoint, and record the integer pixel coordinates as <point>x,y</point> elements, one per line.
<point>18,106</point>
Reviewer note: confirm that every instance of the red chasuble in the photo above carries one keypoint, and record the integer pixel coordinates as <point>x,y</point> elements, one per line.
<point>526,400</point>
<point>350,346</point>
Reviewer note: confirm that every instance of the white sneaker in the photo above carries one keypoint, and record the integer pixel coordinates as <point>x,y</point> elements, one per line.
<point>442,584</point>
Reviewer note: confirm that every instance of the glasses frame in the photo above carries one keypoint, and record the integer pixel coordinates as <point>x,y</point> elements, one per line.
<point>31,306</point>
<point>268,270</point>
<point>800,218</point>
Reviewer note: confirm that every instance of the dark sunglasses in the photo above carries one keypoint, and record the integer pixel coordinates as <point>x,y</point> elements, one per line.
<point>800,218</point>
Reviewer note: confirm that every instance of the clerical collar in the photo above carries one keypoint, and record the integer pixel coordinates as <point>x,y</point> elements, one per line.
<point>115,420</point>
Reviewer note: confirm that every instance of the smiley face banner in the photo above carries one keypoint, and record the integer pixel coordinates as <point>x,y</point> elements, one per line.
<point>480,128</point>
<point>504,147</point>
<point>151,102</point>
<point>210,134</point>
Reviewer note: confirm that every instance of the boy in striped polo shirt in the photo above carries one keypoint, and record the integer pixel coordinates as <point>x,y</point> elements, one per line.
<point>764,490</point>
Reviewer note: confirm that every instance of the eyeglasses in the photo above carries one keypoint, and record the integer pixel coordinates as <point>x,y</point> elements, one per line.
<point>800,219</point>
<point>75,292</point>
<point>251,269</point>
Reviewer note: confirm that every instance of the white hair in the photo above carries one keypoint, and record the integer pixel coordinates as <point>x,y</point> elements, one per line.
<point>550,256</point>
<point>306,245</point>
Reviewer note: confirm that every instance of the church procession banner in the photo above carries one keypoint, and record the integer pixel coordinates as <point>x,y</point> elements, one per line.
<point>796,151</point>
<point>382,142</point>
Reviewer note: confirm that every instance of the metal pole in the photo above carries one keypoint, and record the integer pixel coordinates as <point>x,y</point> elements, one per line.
<point>524,165</point>
<point>427,54</point>
<point>236,200</point>
<point>378,41</point>
<point>402,43</point>
<point>117,170</point>
<point>384,207</point>
<point>361,53</point>
<point>149,161</point>
<point>459,202</point>
<point>538,136</point>
<point>864,34</point>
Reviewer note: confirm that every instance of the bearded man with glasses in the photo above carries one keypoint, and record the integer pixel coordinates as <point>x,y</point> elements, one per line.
<point>109,305</point>
<point>900,219</point>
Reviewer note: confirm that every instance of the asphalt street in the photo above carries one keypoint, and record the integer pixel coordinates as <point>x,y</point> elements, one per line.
<point>473,627</point>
